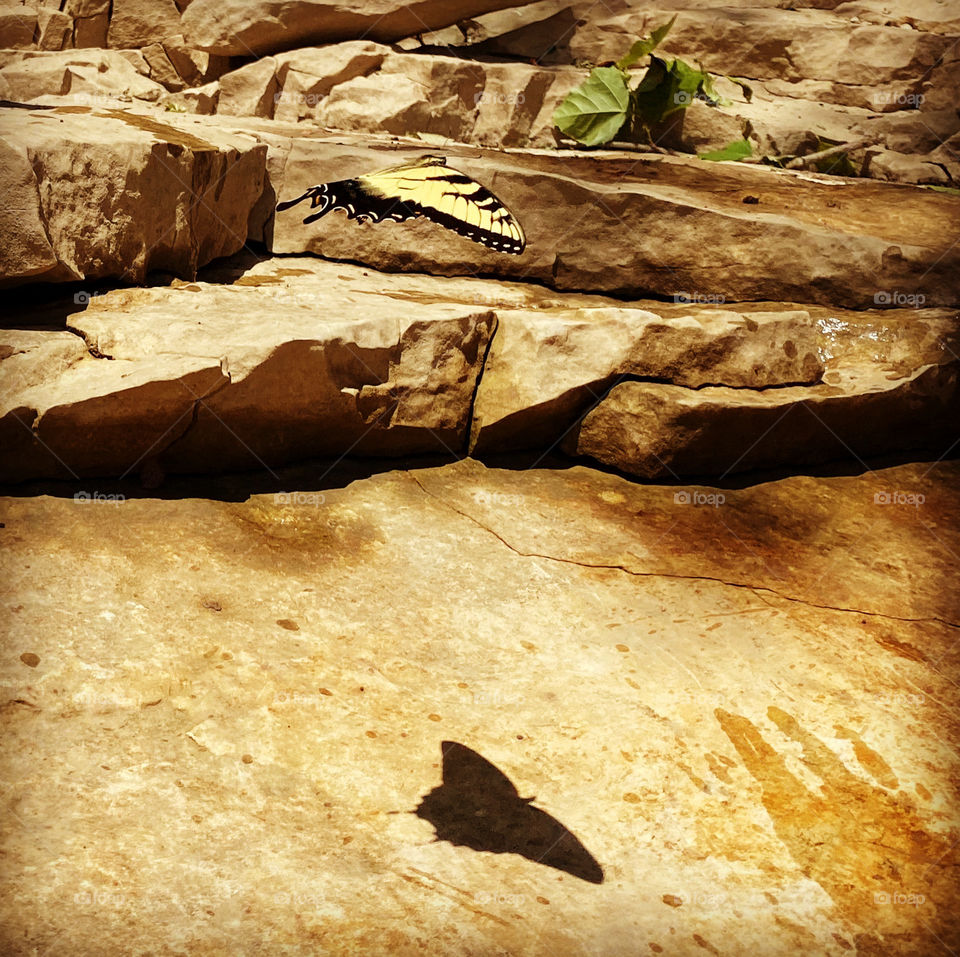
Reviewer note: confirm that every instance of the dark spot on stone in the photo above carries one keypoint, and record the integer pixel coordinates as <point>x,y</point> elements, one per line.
<point>247,759</point>
<point>790,348</point>
<point>752,324</point>
<point>751,200</point>
<point>288,624</point>
<point>212,604</point>
<point>672,900</point>
<point>370,734</point>
<point>325,691</point>
<point>30,659</point>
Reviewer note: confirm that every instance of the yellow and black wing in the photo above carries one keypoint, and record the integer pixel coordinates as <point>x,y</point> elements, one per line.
<point>428,188</point>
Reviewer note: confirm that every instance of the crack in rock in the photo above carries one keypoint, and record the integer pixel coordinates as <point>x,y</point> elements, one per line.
<point>754,589</point>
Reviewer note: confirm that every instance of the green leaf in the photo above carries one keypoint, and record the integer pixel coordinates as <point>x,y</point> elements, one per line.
<point>593,113</point>
<point>737,150</point>
<point>647,45</point>
<point>710,92</point>
<point>946,189</point>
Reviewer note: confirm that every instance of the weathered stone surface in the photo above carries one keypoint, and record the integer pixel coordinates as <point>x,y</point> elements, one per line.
<point>18,26</point>
<point>239,27</point>
<point>115,193</point>
<point>137,23</point>
<point>79,78</point>
<point>666,431</point>
<point>545,368</point>
<point>742,712</point>
<point>263,371</point>
<point>603,222</point>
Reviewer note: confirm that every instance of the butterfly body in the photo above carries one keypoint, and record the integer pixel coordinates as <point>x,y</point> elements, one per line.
<point>428,188</point>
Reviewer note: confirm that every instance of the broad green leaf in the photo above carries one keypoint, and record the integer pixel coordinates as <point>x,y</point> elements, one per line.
<point>593,113</point>
<point>667,86</point>
<point>737,150</point>
<point>946,189</point>
<point>647,45</point>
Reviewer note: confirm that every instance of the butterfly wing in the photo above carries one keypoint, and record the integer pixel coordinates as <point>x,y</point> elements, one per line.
<point>447,197</point>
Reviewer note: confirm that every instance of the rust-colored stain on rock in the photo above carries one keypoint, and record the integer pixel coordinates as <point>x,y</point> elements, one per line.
<point>866,847</point>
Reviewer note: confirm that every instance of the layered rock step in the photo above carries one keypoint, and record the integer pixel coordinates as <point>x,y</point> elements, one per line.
<point>180,191</point>
<point>668,432</point>
<point>291,358</point>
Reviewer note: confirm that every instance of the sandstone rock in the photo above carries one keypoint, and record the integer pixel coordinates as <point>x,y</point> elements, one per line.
<point>138,23</point>
<point>55,29</point>
<point>265,370</point>
<point>99,417</point>
<point>604,222</point>
<point>79,78</point>
<point>237,27</point>
<point>112,193</point>
<point>186,679</point>
<point>545,368</point>
<point>897,168</point>
<point>250,91</point>
<point>665,431</point>
<point>194,67</point>
<point>18,26</point>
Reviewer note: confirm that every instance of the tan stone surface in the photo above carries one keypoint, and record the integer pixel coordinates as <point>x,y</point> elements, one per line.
<point>633,225</point>
<point>219,717</point>
<point>247,29</point>
<point>201,377</point>
<point>115,193</point>
<point>665,431</point>
<point>545,368</point>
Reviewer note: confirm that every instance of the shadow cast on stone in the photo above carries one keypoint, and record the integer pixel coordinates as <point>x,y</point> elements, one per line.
<point>478,807</point>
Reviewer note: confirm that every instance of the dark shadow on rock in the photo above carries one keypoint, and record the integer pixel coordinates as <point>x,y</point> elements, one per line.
<point>478,807</point>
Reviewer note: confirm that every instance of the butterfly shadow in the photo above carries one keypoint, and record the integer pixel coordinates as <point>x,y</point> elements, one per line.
<point>478,807</point>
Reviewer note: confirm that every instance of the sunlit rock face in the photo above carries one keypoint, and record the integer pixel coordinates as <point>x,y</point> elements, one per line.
<point>370,591</point>
<point>534,710</point>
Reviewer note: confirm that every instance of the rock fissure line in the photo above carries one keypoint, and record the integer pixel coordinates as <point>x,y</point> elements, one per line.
<point>705,578</point>
<point>194,414</point>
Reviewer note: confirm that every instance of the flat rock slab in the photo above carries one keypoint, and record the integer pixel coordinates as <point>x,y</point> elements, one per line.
<point>638,225</point>
<point>735,720</point>
<point>264,363</point>
<point>182,190</point>
<point>208,376</point>
<point>664,431</point>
